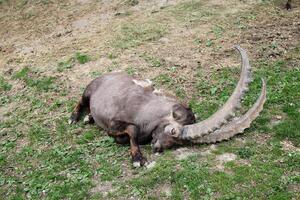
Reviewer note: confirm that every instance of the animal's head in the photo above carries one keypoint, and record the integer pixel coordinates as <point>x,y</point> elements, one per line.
<point>179,127</point>
<point>165,135</point>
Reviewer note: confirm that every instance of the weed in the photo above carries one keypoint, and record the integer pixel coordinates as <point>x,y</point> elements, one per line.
<point>2,1</point>
<point>245,153</point>
<point>63,65</point>
<point>163,79</point>
<point>239,24</point>
<point>132,2</point>
<point>180,93</point>
<point>41,83</point>
<point>4,85</point>
<point>132,35</point>
<point>22,73</point>
<point>86,137</point>
<point>38,133</point>
<point>173,69</point>
<point>95,74</point>
<point>209,43</point>
<point>130,70</point>
<point>112,56</point>
<point>190,11</point>
<point>82,58</point>
<point>153,62</point>
<point>218,31</point>
<point>198,41</point>
<point>4,100</point>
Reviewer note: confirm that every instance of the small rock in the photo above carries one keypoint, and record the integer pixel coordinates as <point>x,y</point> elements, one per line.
<point>164,40</point>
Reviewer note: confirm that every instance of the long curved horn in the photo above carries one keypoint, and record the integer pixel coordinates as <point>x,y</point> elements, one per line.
<point>222,116</point>
<point>237,125</point>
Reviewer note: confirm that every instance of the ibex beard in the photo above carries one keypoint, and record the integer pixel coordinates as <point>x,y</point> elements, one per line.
<point>133,112</point>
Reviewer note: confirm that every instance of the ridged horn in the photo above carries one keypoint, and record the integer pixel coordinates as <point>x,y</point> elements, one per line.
<point>237,125</point>
<point>227,111</point>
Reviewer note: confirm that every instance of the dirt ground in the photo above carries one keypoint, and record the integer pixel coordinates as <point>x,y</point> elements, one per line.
<point>41,33</point>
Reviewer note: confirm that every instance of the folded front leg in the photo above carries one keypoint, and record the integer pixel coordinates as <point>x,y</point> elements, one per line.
<point>137,157</point>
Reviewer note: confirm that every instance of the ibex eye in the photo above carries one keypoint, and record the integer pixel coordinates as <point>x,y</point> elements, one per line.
<point>173,132</point>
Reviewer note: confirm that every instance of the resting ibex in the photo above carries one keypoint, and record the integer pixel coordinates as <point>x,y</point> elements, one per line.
<point>132,112</point>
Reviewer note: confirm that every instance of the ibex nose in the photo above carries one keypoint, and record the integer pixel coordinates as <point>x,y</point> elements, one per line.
<point>157,147</point>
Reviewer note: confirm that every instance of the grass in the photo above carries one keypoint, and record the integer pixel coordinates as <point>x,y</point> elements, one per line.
<point>131,35</point>
<point>132,2</point>
<point>64,65</point>
<point>4,85</point>
<point>283,95</point>
<point>152,61</point>
<point>82,58</point>
<point>33,79</point>
<point>190,11</point>
<point>42,157</point>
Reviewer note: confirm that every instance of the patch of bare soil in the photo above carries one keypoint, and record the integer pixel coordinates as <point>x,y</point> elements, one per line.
<point>164,190</point>
<point>277,119</point>
<point>103,188</point>
<point>223,159</point>
<point>262,139</point>
<point>288,146</point>
<point>183,153</point>
<point>280,36</point>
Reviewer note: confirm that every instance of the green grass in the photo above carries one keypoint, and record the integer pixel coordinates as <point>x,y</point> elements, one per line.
<point>4,85</point>
<point>190,11</point>
<point>34,80</point>
<point>64,65</point>
<point>131,70</point>
<point>131,35</point>
<point>82,58</point>
<point>2,1</point>
<point>164,79</point>
<point>283,83</point>
<point>153,61</point>
<point>132,2</point>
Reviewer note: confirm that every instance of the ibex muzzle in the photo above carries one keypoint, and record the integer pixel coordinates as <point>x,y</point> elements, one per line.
<point>132,112</point>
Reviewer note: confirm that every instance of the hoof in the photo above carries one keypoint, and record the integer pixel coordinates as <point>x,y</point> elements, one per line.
<point>139,161</point>
<point>86,119</point>
<point>73,118</point>
<point>142,163</point>
<point>137,164</point>
<point>71,121</point>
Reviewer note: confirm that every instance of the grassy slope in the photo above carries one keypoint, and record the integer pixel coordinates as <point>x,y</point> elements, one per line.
<point>43,157</point>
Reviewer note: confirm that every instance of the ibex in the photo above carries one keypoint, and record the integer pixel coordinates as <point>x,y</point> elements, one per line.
<point>132,112</point>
